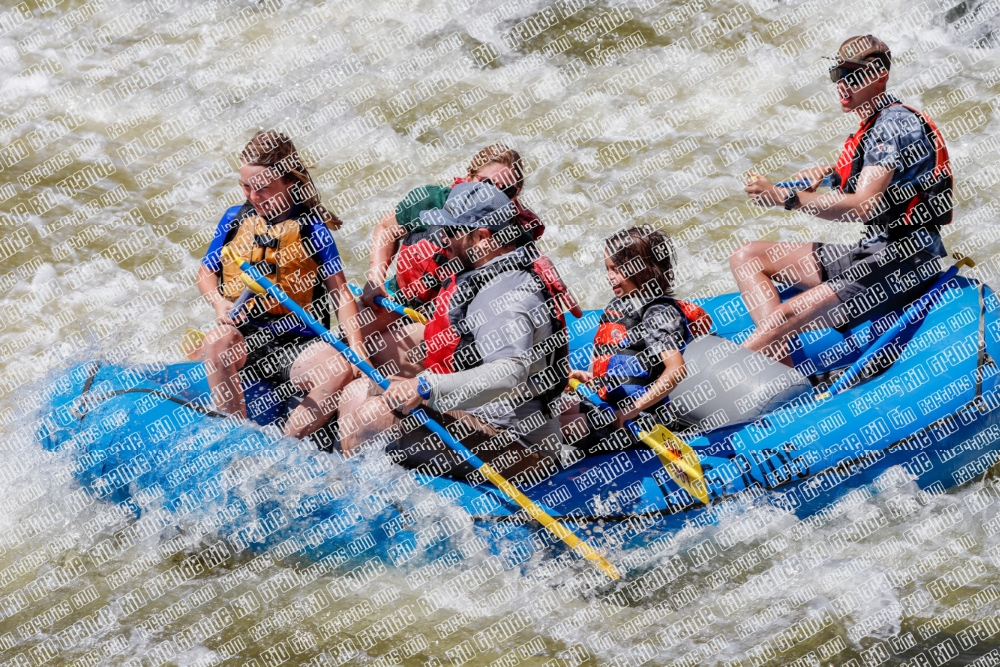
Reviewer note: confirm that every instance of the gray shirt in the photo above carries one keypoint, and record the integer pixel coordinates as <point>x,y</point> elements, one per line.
<point>509,320</point>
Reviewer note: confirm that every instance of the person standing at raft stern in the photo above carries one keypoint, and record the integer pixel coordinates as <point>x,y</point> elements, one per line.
<point>637,358</point>
<point>893,175</point>
<point>284,230</point>
<point>497,353</point>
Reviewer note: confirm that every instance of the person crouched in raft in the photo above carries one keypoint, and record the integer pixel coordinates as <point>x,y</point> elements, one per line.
<point>284,230</point>
<point>421,263</point>
<point>497,353</point>
<point>637,357</point>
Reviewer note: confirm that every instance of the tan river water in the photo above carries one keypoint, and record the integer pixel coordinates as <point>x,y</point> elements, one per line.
<point>120,123</point>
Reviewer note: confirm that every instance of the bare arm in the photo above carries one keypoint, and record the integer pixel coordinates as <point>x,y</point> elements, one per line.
<point>859,206</point>
<point>208,285</point>
<point>385,243</point>
<point>673,372</point>
<point>347,311</point>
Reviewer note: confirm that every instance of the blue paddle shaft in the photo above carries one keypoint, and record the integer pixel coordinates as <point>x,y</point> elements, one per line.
<point>352,357</point>
<point>800,185</point>
<point>913,314</point>
<point>390,305</point>
<point>591,396</point>
<point>237,306</point>
<point>381,301</point>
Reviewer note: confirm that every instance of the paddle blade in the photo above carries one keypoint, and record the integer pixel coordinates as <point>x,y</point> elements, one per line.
<point>191,344</point>
<point>679,459</point>
<point>551,524</point>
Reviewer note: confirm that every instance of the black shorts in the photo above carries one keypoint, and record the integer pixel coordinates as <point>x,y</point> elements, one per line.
<point>418,448</point>
<point>270,356</point>
<point>877,275</point>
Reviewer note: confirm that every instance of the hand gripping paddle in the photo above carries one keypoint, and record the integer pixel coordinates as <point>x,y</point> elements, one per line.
<point>533,510</point>
<point>680,461</point>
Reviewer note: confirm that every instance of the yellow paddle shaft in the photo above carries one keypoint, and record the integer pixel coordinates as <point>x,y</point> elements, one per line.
<point>550,524</point>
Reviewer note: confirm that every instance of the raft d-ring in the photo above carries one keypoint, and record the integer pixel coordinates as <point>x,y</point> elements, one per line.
<point>962,260</point>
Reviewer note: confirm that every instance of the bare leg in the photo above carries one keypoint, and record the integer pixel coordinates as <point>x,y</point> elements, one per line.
<point>368,417</point>
<point>757,264</point>
<point>225,354</point>
<point>809,310</point>
<point>390,339</point>
<point>323,372</point>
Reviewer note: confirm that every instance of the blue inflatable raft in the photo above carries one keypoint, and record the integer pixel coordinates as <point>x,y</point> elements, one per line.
<point>146,438</point>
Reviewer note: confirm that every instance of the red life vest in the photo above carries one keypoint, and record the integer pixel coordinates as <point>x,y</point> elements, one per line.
<point>621,367</point>
<point>931,201</point>
<point>450,344</point>
<point>422,267</point>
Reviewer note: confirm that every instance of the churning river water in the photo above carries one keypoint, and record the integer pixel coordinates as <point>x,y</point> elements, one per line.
<point>120,127</point>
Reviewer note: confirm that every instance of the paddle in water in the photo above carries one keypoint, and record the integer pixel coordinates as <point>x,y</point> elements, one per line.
<point>534,511</point>
<point>680,461</point>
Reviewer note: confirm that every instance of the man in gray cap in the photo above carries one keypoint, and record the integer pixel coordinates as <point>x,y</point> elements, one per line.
<point>893,175</point>
<point>496,353</point>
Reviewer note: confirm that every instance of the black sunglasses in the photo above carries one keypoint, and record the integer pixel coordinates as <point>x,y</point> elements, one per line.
<point>456,231</point>
<point>856,76</point>
<point>509,190</point>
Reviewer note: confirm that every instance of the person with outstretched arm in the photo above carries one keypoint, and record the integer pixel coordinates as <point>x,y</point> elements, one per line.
<point>893,175</point>
<point>497,353</point>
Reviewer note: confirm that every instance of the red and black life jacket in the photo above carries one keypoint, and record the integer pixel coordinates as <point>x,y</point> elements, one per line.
<point>928,202</point>
<point>422,267</point>
<point>451,346</point>
<point>623,370</point>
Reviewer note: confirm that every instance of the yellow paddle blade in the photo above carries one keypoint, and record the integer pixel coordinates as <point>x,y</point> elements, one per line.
<point>191,344</point>
<point>549,523</point>
<point>679,459</point>
<point>414,315</point>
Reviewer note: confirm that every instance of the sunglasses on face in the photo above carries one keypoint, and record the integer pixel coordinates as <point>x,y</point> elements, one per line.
<point>509,190</point>
<point>456,232</point>
<point>856,76</point>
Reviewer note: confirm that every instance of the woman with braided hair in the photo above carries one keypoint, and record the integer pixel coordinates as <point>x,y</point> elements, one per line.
<point>285,232</point>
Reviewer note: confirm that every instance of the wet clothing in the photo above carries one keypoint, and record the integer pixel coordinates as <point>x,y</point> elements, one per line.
<point>299,246</point>
<point>901,138</point>
<point>270,356</point>
<point>286,252</point>
<point>421,266</point>
<point>507,357</point>
<point>632,334</point>
<point>876,276</point>
<point>420,449</point>
<point>897,258</point>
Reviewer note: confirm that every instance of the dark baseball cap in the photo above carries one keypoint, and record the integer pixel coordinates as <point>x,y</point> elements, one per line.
<point>472,205</point>
<point>863,49</point>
